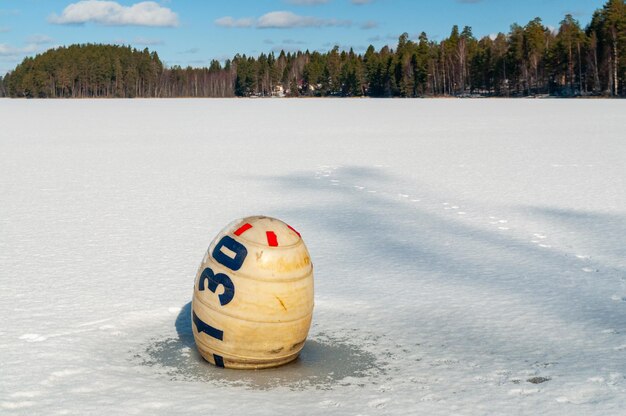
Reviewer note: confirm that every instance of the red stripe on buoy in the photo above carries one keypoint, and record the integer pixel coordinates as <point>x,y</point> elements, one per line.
<point>271,239</point>
<point>243,229</point>
<point>294,230</point>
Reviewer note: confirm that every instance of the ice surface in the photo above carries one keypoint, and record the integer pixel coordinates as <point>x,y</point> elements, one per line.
<point>470,256</point>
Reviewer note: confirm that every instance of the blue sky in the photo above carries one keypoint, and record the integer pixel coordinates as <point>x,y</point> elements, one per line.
<point>186,32</point>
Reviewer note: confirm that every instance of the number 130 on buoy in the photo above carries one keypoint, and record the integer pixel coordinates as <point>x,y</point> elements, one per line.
<point>253,295</point>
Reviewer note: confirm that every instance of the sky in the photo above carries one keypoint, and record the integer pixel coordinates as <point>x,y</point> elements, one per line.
<point>187,32</point>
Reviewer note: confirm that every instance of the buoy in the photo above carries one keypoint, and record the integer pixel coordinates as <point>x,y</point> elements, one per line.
<point>253,295</point>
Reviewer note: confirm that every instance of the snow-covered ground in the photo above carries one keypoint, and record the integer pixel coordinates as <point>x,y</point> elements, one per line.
<point>470,255</point>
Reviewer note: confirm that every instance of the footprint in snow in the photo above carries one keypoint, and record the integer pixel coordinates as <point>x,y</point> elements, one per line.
<point>592,393</point>
<point>448,206</point>
<point>378,403</point>
<point>33,337</point>
<point>25,394</point>
<point>16,405</point>
<point>499,223</point>
<point>329,403</point>
<point>522,392</point>
<point>430,398</point>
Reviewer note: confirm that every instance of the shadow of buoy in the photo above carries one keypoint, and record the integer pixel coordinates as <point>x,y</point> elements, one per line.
<point>183,326</point>
<point>323,362</point>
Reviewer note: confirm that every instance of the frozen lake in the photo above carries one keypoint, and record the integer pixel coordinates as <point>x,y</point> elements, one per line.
<point>470,255</point>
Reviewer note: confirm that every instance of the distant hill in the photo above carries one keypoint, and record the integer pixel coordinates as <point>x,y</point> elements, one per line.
<point>94,70</point>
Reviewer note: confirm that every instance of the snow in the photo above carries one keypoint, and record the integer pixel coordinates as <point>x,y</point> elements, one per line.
<point>470,255</point>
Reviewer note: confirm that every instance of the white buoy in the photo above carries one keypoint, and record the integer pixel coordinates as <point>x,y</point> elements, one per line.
<point>253,295</point>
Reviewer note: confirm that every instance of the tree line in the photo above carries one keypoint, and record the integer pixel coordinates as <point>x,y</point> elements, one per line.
<point>528,60</point>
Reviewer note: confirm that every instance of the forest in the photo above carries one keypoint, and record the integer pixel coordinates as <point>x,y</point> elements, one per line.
<point>529,60</point>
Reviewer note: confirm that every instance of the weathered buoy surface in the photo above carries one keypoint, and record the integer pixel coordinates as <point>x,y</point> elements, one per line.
<point>253,295</point>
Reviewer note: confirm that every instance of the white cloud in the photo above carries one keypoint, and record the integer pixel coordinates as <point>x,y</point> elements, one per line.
<point>293,42</point>
<point>228,21</point>
<point>9,12</point>
<point>8,50</point>
<point>379,38</point>
<point>111,13</point>
<point>139,40</point>
<point>370,24</point>
<point>307,2</point>
<point>190,51</point>
<point>280,20</point>
<point>39,39</point>
<point>284,20</point>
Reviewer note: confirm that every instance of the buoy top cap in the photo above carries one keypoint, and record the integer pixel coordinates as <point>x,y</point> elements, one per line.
<point>266,231</point>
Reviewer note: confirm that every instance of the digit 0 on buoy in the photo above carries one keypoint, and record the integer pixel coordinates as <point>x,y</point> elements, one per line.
<point>253,295</point>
